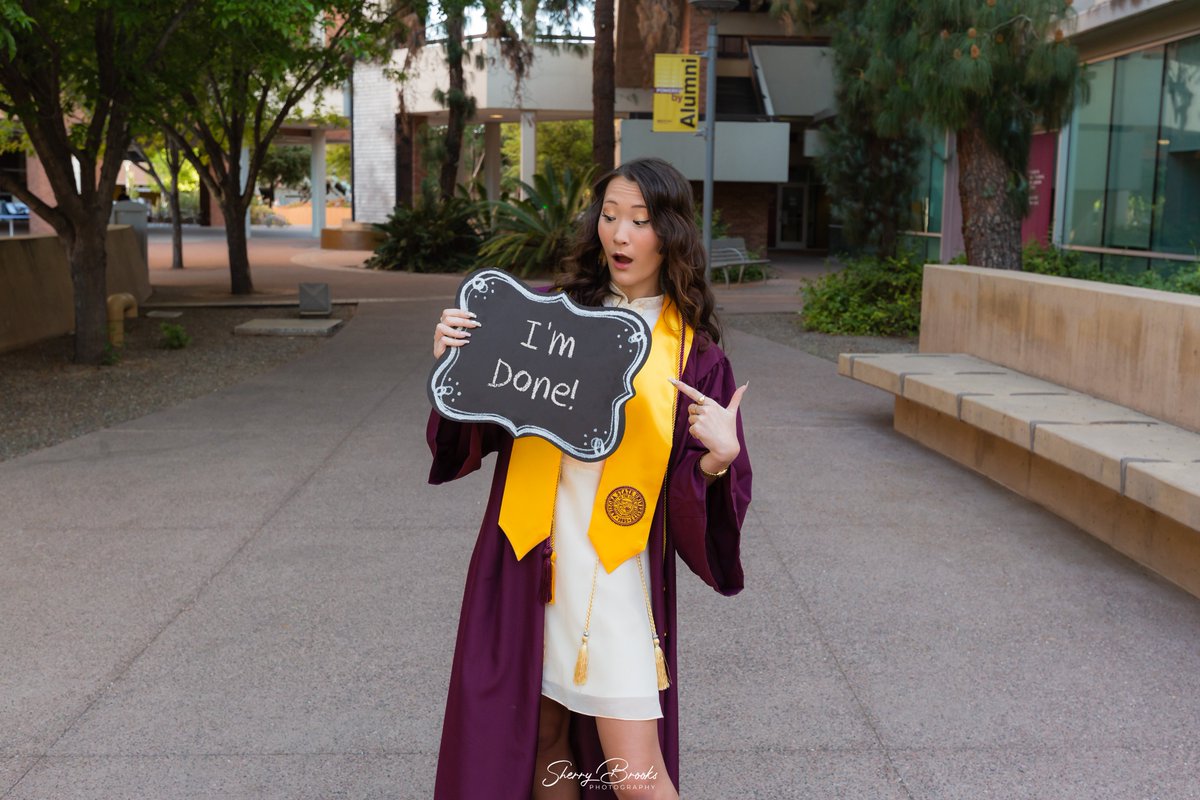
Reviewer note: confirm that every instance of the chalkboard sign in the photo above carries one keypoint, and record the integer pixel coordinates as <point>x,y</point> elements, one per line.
<point>540,365</point>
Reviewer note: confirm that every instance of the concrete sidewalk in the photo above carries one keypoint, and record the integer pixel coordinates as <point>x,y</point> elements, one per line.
<point>254,595</point>
<point>282,258</point>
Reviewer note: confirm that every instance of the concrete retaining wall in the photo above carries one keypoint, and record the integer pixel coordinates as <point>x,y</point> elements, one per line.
<point>36,296</point>
<point>1136,347</point>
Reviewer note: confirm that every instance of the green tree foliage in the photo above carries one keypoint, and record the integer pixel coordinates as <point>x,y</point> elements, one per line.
<point>284,165</point>
<point>561,145</point>
<point>533,235</point>
<point>443,149</point>
<point>174,176</point>
<point>260,61</point>
<point>338,161</point>
<point>13,19</point>
<point>990,70</point>
<point>76,77</point>
<point>869,174</point>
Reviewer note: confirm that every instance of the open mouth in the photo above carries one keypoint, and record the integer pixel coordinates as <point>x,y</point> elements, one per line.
<point>622,259</point>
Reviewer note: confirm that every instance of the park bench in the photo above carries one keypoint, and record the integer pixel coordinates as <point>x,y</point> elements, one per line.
<point>13,212</point>
<point>731,252</point>
<point>1083,397</point>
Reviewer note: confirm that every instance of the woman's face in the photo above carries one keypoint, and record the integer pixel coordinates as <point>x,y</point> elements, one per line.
<point>631,246</point>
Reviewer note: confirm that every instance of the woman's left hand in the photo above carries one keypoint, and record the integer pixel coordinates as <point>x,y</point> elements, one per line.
<point>713,424</point>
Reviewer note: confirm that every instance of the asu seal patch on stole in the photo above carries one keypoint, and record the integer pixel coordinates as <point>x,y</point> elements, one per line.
<point>625,505</point>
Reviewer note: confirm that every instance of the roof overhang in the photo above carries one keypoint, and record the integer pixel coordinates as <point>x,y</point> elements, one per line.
<point>796,80</point>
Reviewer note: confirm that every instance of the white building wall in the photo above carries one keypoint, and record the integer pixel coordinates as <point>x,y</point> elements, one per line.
<point>374,143</point>
<point>1092,14</point>
<point>559,83</point>
<point>746,151</point>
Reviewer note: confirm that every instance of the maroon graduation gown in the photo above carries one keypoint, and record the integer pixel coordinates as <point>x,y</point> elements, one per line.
<point>490,731</point>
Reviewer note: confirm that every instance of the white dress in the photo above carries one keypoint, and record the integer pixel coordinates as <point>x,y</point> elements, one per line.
<point>622,680</point>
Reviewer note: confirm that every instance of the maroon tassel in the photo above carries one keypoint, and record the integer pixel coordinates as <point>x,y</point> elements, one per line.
<point>546,590</point>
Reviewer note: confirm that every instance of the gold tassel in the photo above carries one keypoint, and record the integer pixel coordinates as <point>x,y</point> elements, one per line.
<point>581,663</point>
<point>660,661</point>
<point>553,558</point>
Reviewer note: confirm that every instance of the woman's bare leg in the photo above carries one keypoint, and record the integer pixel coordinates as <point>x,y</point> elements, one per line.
<point>635,742</point>
<point>554,755</point>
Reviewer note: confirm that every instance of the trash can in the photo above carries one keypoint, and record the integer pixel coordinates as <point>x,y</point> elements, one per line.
<point>134,214</point>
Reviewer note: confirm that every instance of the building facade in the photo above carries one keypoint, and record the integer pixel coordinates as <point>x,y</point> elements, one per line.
<point>1129,161</point>
<point>1119,184</point>
<point>772,85</point>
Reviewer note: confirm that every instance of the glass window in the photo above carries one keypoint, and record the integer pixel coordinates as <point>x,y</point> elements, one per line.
<point>1091,259</point>
<point>1125,265</point>
<point>1133,149</point>
<point>1177,206</point>
<point>1088,154</point>
<point>926,205</point>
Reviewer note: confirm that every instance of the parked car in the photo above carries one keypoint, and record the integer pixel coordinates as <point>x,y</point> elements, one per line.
<point>11,207</point>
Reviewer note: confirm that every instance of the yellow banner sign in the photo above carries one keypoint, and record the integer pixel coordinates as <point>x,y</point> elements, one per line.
<point>676,93</point>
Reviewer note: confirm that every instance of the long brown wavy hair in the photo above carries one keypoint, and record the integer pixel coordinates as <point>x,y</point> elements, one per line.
<point>669,203</point>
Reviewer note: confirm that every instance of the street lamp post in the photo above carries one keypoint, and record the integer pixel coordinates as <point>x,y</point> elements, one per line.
<point>713,7</point>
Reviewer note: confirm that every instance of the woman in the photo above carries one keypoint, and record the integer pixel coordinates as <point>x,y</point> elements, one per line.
<point>564,690</point>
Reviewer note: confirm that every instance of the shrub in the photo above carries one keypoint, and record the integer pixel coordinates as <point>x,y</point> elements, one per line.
<point>174,336</point>
<point>1063,263</point>
<point>1069,264</point>
<point>870,297</point>
<point>111,356</point>
<point>435,235</point>
<point>260,214</point>
<point>533,235</point>
<point>720,228</point>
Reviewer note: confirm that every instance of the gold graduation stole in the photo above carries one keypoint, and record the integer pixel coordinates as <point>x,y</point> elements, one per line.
<point>632,476</point>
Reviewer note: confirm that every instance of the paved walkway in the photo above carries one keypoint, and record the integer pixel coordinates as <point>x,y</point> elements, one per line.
<point>254,594</point>
<point>284,258</point>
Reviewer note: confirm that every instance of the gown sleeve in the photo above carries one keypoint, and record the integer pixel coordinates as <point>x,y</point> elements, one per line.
<point>706,521</point>
<point>458,448</point>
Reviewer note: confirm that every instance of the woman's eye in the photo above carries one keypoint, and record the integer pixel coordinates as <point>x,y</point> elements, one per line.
<point>641,223</point>
<point>608,217</point>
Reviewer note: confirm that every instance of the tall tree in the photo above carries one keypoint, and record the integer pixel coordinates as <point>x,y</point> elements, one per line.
<point>261,61</point>
<point>166,173</point>
<point>990,71</point>
<point>869,175</point>
<point>516,44</point>
<point>603,88</point>
<point>459,104</point>
<point>75,75</point>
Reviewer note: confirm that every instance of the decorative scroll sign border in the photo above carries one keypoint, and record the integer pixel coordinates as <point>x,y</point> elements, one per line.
<point>475,288</point>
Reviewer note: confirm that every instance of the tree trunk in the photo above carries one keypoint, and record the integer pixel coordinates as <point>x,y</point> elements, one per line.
<point>176,226</point>
<point>239,256</point>
<point>87,255</point>
<point>456,98</point>
<point>603,90</point>
<point>991,226</point>
<point>234,209</point>
<point>175,164</point>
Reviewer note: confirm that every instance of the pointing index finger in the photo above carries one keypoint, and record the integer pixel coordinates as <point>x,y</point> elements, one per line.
<point>737,397</point>
<point>688,390</point>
